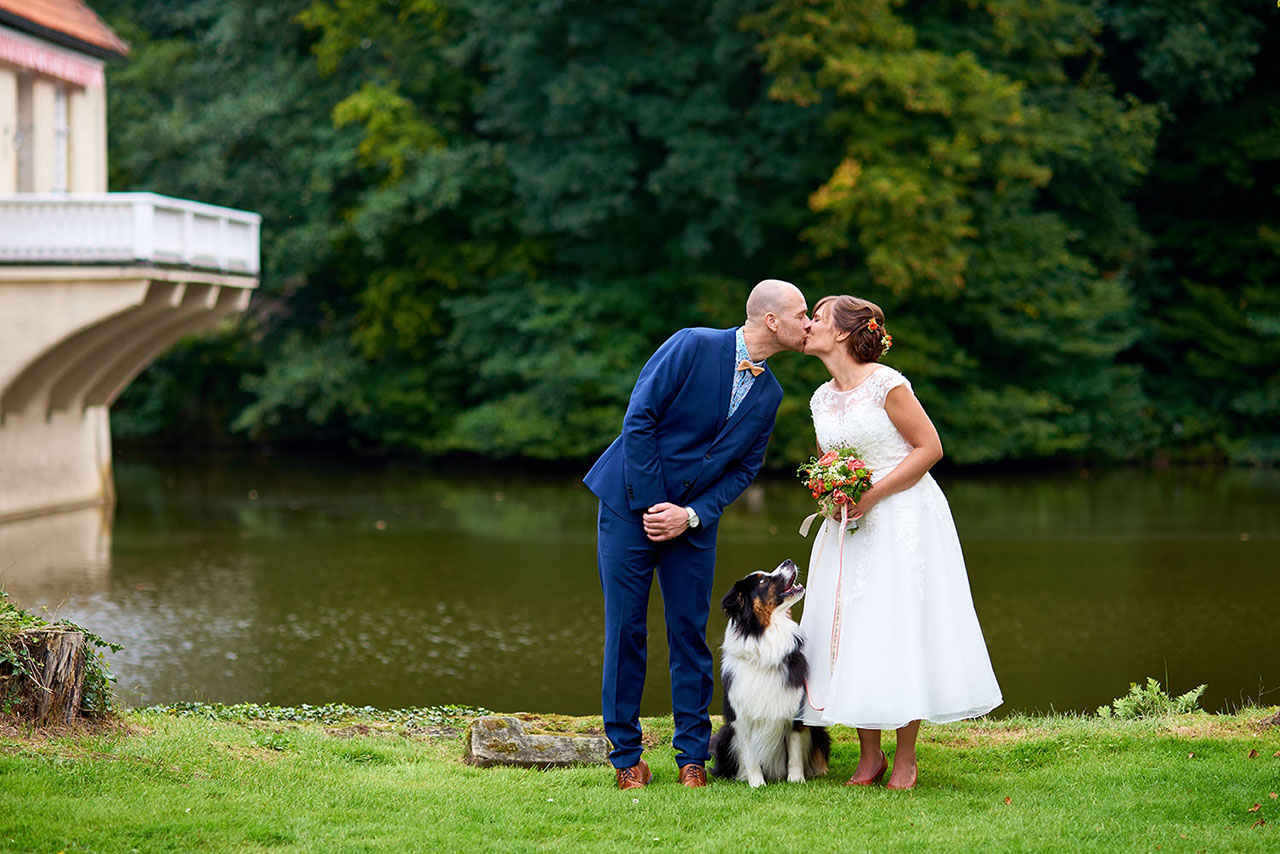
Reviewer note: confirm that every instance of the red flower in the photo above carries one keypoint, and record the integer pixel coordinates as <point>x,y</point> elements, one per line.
<point>828,458</point>
<point>858,464</point>
<point>839,497</point>
<point>815,485</point>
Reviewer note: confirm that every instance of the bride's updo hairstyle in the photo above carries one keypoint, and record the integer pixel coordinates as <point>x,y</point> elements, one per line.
<point>864,321</point>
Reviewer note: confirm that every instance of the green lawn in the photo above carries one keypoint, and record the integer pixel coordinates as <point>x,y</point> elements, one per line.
<point>156,783</point>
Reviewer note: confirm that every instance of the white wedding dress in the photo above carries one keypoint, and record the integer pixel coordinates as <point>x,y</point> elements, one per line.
<point>890,631</point>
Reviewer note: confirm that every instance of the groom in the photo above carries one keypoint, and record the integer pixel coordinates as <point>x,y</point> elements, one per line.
<point>692,440</point>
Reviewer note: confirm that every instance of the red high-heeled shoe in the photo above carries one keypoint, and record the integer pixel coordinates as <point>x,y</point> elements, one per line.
<point>915,777</point>
<point>884,766</point>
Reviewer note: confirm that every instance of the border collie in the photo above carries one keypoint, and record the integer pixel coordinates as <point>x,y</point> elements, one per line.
<point>763,670</point>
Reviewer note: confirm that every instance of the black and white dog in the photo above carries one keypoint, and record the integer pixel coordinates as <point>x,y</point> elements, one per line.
<point>763,670</point>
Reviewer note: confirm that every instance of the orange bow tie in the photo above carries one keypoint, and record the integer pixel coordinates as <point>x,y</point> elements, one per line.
<point>745,365</point>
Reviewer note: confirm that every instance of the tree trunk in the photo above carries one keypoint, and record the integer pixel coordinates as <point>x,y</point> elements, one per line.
<point>50,694</point>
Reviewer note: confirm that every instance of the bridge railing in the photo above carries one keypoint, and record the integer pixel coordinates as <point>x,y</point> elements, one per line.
<point>100,228</point>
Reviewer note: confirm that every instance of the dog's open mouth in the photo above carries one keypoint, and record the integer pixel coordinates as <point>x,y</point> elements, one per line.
<point>793,590</point>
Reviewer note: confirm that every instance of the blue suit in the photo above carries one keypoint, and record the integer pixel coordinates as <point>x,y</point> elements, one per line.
<point>676,445</point>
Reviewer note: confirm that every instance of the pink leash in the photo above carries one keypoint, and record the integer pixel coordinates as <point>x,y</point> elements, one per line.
<point>839,607</point>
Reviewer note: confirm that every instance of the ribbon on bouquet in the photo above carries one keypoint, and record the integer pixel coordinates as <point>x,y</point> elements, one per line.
<point>839,604</point>
<point>847,524</point>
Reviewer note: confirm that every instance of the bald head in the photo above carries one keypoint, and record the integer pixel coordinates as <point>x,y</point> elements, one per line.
<point>771,296</point>
<point>776,319</point>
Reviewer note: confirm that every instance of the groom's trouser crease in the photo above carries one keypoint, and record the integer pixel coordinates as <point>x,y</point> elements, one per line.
<point>627,563</point>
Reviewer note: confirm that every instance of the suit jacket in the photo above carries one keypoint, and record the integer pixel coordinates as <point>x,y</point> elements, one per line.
<point>676,444</point>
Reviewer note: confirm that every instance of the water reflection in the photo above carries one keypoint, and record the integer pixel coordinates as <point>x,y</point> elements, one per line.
<point>297,583</point>
<point>55,555</point>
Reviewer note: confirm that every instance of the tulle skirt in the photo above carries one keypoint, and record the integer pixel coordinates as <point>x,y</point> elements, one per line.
<point>891,635</point>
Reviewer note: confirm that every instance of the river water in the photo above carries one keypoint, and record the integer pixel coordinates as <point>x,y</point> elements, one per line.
<point>294,582</point>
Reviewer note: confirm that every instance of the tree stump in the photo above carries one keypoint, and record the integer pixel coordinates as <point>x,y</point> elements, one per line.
<point>48,693</point>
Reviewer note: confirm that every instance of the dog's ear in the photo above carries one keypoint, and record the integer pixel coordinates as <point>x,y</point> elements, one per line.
<point>734,602</point>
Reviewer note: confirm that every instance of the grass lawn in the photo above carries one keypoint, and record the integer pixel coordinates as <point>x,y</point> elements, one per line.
<point>153,782</point>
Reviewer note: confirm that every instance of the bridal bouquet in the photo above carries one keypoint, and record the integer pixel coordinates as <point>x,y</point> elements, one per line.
<point>837,479</point>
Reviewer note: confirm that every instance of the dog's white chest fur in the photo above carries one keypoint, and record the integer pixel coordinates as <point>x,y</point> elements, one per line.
<point>758,672</point>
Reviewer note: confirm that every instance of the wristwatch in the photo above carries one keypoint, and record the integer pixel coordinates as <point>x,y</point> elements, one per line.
<point>693,517</point>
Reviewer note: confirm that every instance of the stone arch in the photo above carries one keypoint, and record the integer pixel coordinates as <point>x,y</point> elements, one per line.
<point>71,340</point>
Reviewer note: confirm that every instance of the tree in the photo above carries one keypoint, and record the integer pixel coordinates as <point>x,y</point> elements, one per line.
<point>1210,347</point>
<point>974,160</point>
<point>481,217</point>
<point>222,102</point>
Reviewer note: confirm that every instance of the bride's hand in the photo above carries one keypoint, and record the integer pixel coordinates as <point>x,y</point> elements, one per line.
<point>864,505</point>
<point>836,511</point>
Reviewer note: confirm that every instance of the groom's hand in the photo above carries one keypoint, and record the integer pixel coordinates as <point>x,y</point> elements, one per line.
<point>665,521</point>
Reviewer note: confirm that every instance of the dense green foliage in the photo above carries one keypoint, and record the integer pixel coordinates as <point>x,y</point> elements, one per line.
<point>481,217</point>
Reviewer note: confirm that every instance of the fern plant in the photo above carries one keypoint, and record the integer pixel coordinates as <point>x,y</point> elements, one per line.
<point>1152,701</point>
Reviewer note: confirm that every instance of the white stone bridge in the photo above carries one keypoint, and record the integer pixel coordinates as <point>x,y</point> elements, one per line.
<point>93,287</point>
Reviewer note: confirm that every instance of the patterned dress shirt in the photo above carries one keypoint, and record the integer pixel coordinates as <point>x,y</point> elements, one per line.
<point>742,380</point>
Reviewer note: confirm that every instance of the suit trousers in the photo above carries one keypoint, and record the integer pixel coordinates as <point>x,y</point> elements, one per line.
<point>627,561</point>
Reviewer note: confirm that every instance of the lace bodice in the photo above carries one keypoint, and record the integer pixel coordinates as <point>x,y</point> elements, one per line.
<point>856,419</point>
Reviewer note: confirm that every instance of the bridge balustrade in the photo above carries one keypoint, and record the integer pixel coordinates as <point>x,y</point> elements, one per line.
<point>126,228</point>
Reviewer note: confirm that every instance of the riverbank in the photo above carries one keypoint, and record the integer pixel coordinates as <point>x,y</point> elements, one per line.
<point>362,782</point>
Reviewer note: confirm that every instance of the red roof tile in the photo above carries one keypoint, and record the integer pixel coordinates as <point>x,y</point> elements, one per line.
<point>69,18</point>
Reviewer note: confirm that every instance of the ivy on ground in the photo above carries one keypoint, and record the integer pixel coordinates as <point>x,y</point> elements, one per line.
<point>449,716</point>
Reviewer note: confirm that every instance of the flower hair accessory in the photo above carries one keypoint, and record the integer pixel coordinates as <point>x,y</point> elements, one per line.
<point>886,340</point>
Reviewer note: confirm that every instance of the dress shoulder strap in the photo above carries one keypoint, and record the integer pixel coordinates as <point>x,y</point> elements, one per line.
<point>883,381</point>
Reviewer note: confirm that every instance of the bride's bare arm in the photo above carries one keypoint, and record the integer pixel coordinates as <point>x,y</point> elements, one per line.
<point>906,413</point>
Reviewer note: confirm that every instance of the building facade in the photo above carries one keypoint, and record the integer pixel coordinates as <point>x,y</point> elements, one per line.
<point>53,103</point>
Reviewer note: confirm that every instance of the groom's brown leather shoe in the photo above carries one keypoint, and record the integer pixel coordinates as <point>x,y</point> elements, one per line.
<point>635,777</point>
<point>693,776</point>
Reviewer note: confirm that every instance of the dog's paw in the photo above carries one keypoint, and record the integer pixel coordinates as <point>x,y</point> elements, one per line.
<point>795,777</point>
<point>755,782</point>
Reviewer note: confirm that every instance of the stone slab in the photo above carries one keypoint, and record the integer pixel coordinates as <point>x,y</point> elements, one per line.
<point>500,740</point>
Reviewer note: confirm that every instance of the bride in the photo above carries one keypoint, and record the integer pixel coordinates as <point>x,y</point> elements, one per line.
<point>890,631</point>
